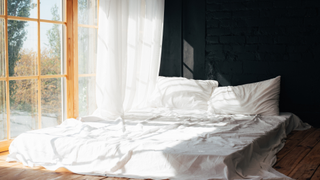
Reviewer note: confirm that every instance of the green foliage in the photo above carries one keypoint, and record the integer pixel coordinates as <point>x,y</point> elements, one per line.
<point>16,34</point>
<point>24,93</point>
<point>19,8</point>
<point>16,30</point>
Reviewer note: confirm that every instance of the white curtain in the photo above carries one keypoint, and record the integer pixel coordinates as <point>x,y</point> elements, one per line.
<point>129,48</point>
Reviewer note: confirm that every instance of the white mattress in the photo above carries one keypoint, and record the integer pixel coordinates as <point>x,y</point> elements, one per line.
<point>161,144</point>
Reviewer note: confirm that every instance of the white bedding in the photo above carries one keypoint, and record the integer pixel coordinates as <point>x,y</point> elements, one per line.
<point>161,144</point>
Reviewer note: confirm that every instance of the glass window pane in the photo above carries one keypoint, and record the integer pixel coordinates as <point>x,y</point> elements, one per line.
<point>23,8</point>
<point>2,7</point>
<point>52,10</point>
<point>2,49</point>
<point>87,98</point>
<point>52,49</point>
<point>87,50</point>
<point>3,112</point>
<point>53,107</point>
<point>87,12</point>
<point>23,106</point>
<point>22,40</point>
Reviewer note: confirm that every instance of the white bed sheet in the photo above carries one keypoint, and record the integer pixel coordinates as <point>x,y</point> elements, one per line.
<point>161,144</point>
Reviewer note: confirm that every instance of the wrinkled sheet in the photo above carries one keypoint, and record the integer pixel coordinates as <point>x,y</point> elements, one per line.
<point>158,145</point>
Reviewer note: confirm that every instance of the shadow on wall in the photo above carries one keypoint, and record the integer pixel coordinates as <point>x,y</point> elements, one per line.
<point>194,39</point>
<point>183,48</point>
<point>188,60</point>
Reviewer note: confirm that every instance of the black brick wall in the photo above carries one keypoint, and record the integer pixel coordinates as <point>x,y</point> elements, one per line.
<point>253,40</point>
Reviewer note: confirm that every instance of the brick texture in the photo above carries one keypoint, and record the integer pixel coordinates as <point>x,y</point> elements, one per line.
<point>250,40</point>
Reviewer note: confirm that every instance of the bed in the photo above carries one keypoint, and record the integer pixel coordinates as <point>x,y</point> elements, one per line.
<point>189,141</point>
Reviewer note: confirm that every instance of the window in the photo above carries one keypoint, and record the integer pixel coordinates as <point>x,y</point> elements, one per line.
<point>45,74</point>
<point>87,54</point>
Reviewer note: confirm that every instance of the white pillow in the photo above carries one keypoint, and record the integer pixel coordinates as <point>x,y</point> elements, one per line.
<point>255,98</point>
<point>182,93</point>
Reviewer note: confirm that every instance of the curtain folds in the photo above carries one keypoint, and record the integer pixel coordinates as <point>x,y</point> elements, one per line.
<point>129,48</point>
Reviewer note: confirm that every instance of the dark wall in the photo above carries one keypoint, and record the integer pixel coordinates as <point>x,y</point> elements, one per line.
<point>249,40</point>
<point>194,28</point>
<point>171,56</point>
<point>184,39</point>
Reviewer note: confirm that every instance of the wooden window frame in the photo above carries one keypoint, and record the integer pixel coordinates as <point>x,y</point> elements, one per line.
<point>71,59</point>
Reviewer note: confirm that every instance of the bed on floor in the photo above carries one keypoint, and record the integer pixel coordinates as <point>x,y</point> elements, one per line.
<point>162,142</point>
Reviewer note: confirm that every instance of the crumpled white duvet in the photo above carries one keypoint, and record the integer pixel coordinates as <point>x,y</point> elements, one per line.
<point>170,145</point>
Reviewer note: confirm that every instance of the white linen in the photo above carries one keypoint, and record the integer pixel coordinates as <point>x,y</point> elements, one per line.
<point>254,98</point>
<point>182,93</point>
<point>161,144</point>
<point>129,47</point>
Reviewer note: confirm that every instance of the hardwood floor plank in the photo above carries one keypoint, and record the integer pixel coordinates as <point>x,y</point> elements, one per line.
<point>7,164</point>
<point>70,176</point>
<point>10,173</point>
<point>299,135</point>
<point>93,177</point>
<point>48,175</point>
<point>294,138</point>
<point>292,159</point>
<point>316,175</point>
<point>31,174</point>
<point>306,168</point>
<point>3,155</point>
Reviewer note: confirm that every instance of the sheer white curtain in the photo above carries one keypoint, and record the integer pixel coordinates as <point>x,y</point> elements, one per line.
<point>129,48</point>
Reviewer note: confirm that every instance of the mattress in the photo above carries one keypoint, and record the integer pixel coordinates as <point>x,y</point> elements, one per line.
<point>161,144</point>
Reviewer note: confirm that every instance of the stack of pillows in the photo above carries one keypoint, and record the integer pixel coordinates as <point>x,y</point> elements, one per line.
<point>187,94</point>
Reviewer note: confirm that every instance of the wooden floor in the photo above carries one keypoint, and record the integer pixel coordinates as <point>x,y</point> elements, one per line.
<point>299,159</point>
